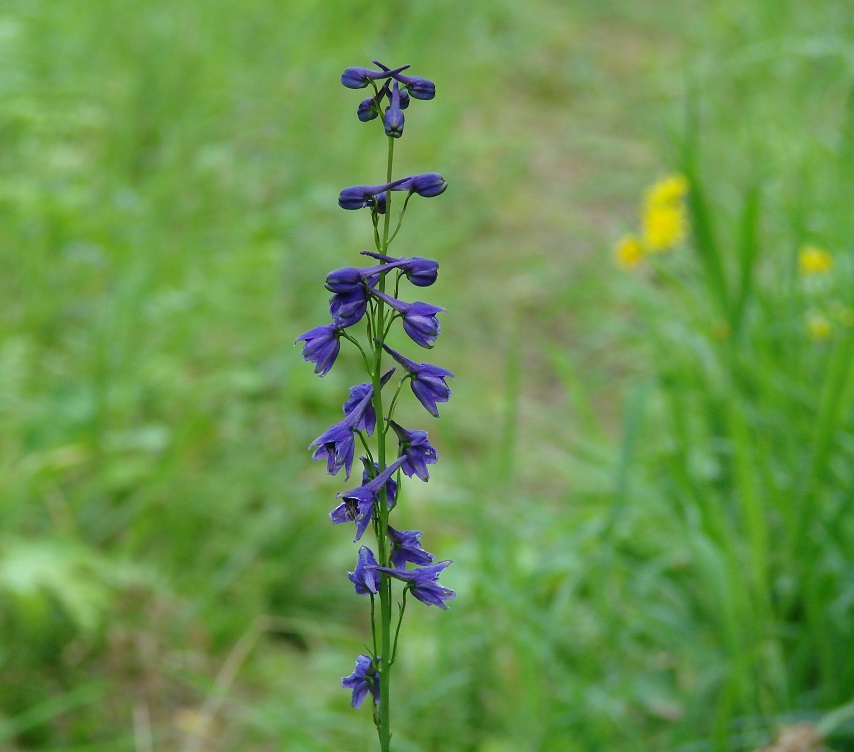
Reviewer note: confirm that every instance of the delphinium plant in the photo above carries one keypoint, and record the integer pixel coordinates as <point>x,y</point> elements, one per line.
<point>364,306</point>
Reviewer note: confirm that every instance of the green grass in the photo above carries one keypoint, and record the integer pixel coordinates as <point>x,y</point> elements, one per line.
<point>645,478</point>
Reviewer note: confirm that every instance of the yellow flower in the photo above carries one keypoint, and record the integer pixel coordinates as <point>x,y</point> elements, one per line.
<point>668,191</point>
<point>813,260</point>
<point>628,252</point>
<point>664,225</point>
<point>818,327</point>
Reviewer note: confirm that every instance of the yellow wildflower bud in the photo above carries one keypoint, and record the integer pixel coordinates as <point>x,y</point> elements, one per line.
<point>628,252</point>
<point>818,327</point>
<point>813,260</point>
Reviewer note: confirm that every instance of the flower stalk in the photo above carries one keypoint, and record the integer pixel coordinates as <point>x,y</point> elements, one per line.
<point>359,296</point>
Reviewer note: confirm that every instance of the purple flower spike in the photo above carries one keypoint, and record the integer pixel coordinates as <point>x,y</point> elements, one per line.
<point>428,381</point>
<point>394,114</point>
<point>366,580</point>
<point>321,346</point>
<point>406,547</point>
<point>423,582</point>
<point>358,503</point>
<point>417,451</point>
<point>419,319</point>
<point>359,78</point>
<point>364,679</point>
<point>421,272</point>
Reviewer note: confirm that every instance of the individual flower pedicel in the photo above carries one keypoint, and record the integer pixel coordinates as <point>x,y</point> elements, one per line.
<point>363,307</point>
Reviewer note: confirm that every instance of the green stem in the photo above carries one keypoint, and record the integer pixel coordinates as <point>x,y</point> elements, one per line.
<point>382,513</point>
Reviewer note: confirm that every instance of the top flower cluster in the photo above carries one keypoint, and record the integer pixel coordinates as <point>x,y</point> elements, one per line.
<point>396,88</point>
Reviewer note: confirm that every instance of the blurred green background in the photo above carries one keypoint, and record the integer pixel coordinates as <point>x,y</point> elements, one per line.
<point>646,474</point>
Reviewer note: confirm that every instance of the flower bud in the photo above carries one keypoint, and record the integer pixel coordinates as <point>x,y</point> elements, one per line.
<point>367,110</point>
<point>419,88</point>
<point>359,78</point>
<point>427,184</point>
<point>394,115</point>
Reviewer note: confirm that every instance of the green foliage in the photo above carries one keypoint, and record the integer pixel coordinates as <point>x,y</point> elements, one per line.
<point>646,478</point>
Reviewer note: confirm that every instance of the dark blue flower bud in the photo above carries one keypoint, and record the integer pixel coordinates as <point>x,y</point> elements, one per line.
<point>419,88</point>
<point>421,272</point>
<point>342,281</point>
<point>361,196</point>
<point>394,114</point>
<point>367,110</point>
<point>359,78</point>
<point>427,184</point>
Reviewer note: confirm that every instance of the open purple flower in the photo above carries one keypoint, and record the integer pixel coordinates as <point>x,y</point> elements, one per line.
<point>368,420</point>
<point>347,308</point>
<point>366,580</point>
<point>406,547</point>
<point>365,678</point>
<point>416,450</point>
<point>394,119</point>
<point>427,381</point>
<point>337,444</point>
<point>321,346</point>
<point>419,319</point>
<point>357,504</point>
<point>423,582</point>
<point>421,272</point>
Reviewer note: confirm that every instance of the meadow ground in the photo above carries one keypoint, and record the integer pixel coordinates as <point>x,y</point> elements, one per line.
<point>646,467</point>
